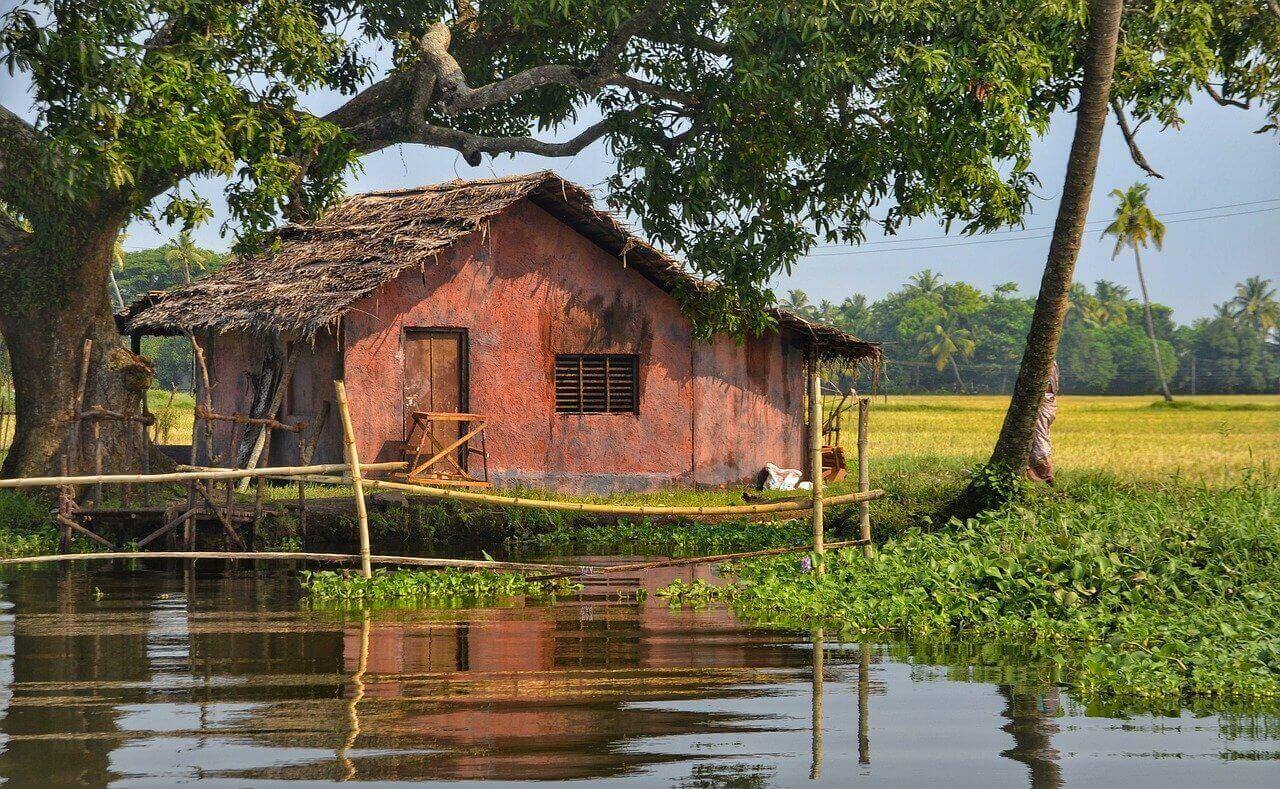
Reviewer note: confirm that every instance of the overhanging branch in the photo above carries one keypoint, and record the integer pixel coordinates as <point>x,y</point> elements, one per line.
<point>457,95</point>
<point>1130,138</point>
<point>1224,101</point>
<point>472,146</point>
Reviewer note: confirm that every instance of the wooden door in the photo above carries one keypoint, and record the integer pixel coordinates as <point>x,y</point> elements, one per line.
<point>435,379</point>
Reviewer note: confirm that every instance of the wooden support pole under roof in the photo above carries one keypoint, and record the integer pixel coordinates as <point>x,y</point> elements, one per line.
<point>815,453</point>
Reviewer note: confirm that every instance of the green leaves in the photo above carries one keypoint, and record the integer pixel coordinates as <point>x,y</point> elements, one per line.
<point>446,587</point>
<point>1147,593</point>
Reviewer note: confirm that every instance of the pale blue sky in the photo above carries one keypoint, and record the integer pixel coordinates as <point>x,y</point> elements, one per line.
<point>1215,160</point>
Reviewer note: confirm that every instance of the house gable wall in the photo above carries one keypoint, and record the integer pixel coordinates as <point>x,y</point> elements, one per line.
<point>524,291</point>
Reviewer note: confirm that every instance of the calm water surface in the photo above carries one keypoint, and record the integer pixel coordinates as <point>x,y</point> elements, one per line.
<point>165,675</point>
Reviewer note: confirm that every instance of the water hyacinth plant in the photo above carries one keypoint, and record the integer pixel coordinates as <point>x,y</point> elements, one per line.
<point>436,587</point>
<point>1143,592</point>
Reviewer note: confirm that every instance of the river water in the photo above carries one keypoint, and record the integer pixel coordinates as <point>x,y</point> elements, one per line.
<point>160,674</point>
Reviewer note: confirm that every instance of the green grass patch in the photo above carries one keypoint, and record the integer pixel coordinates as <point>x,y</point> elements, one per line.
<point>26,527</point>
<point>1136,591</point>
<point>447,587</point>
<point>676,539</point>
<point>1197,405</point>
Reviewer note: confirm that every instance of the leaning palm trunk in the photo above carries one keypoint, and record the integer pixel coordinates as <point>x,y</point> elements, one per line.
<point>1013,449</point>
<point>1151,329</point>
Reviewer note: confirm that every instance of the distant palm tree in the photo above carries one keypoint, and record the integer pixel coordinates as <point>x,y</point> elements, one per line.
<point>1224,312</point>
<point>117,262</point>
<point>854,311</point>
<point>1113,303</point>
<point>828,313</point>
<point>184,252</point>
<point>1255,301</point>
<point>948,342</point>
<point>1134,225</point>
<point>925,283</point>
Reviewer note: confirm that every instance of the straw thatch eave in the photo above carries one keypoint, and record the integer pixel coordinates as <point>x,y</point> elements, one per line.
<point>313,273</point>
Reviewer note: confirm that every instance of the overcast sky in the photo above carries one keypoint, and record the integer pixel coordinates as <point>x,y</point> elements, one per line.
<point>1213,166</point>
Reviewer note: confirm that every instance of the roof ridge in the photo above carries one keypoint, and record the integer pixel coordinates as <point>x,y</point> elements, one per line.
<point>461,183</point>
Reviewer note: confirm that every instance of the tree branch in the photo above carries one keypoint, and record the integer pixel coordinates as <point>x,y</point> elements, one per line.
<point>19,160</point>
<point>1131,139</point>
<point>471,146</point>
<point>1218,97</point>
<point>457,95</point>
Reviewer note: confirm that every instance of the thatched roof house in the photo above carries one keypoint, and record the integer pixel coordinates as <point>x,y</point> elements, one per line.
<point>511,281</point>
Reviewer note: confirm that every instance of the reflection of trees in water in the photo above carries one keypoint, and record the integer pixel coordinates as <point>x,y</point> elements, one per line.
<point>727,776</point>
<point>72,656</point>
<point>1031,725</point>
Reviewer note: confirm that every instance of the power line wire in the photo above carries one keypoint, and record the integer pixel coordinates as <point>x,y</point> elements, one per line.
<point>1015,230</point>
<point>976,242</point>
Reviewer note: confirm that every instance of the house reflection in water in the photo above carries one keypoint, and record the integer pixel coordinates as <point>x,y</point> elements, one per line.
<point>555,692</point>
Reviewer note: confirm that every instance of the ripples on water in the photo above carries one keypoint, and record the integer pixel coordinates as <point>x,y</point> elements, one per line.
<point>164,675</point>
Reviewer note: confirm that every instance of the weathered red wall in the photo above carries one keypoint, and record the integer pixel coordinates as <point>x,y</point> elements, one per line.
<point>532,288</point>
<point>748,407</point>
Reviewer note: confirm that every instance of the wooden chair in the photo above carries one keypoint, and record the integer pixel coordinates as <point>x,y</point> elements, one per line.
<point>433,462</point>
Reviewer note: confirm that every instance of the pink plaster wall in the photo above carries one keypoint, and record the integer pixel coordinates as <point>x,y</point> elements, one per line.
<point>748,407</point>
<point>527,290</point>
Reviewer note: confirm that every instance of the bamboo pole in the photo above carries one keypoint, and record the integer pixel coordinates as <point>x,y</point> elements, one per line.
<point>189,473</point>
<point>189,523</point>
<point>815,704</point>
<point>353,459</point>
<point>815,454</point>
<point>864,694</point>
<point>864,475</point>
<point>202,427</point>
<point>791,505</point>
<point>336,558</point>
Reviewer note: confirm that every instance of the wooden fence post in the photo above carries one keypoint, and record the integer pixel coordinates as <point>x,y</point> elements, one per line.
<point>353,461</point>
<point>815,453</point>
<point>864,476</point>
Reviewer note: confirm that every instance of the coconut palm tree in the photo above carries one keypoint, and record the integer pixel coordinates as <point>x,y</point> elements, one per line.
<point>184,252</point>
<point>1113,302</point>
<point>1135,226</point>
<point>1013,447</point>
<point>925,283</point>
<point>854,312</point>
<point>1255,301</point>
<point>947,342</point>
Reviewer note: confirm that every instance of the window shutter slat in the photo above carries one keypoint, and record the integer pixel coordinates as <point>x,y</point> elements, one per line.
<point>596,383</point>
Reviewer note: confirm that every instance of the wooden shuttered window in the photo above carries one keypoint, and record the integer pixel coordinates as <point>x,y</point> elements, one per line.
<point>596,383</point>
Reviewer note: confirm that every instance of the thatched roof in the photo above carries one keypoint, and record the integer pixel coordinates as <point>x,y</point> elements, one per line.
<point>317,271</point>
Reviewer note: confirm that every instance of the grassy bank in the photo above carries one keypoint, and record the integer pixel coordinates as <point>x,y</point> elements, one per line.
<point>1139,590</point>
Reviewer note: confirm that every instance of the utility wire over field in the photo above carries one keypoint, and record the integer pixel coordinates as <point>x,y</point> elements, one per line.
<point>1014,234</point>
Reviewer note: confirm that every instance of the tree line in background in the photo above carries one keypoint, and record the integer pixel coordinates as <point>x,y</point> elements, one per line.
<point>951,336</point>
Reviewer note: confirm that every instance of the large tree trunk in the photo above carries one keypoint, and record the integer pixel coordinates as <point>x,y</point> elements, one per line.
<point>1151,328</point>
<point>45,337</point>
<point>1013,448</point>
